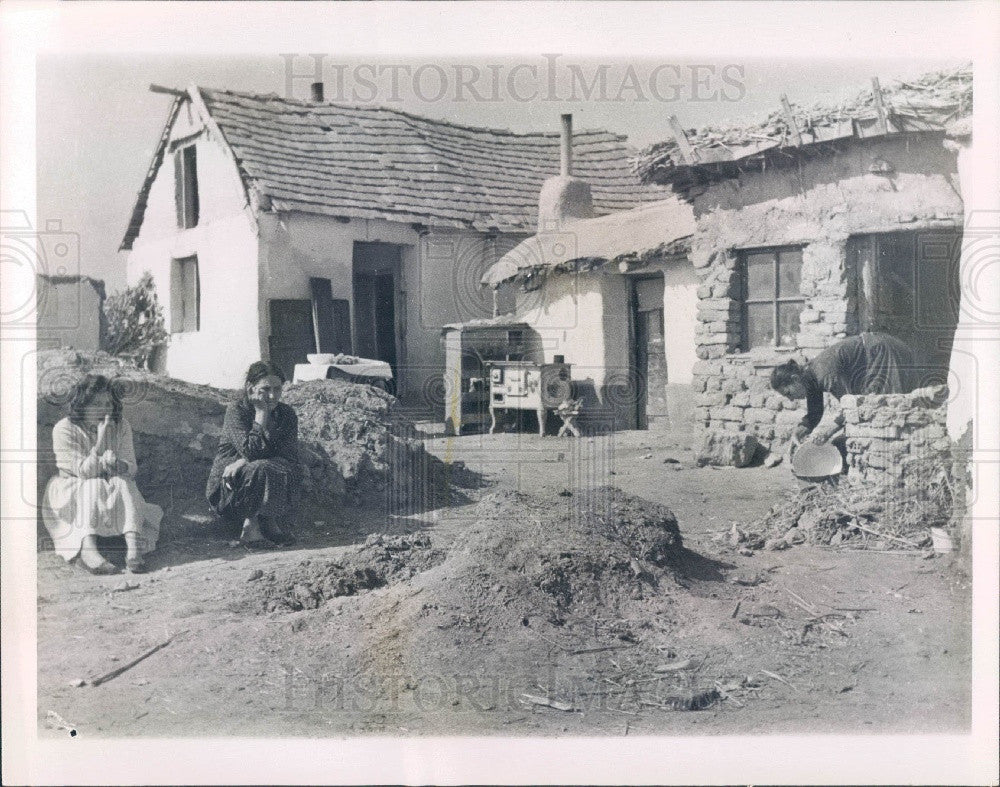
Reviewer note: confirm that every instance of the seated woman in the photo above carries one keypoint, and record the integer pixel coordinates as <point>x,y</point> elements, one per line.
<point>870,363</point>
<point>95,493</point>
<point>256,477</point>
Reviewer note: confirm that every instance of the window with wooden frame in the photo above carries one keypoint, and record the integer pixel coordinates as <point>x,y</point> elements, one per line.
<point>185,295</point>
<point>772,296</point>
<point>186,186</point>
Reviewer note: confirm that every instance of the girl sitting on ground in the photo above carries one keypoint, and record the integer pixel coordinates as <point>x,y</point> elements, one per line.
<point>94,493</point>
<point>256,477</point>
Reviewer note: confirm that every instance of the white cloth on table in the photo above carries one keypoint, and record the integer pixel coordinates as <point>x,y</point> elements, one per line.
<point>87,498</point>
<point>365,367</point>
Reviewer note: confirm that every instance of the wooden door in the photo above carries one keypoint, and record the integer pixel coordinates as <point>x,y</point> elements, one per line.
<point>385,317</point>
<point>365,344</point>
<point>653,366</point>
<point>331,318</point>
<point>907,285</point>
<point>649,358</point>
<point>291,335</point>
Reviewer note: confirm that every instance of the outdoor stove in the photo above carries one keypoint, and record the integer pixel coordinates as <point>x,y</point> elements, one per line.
<point>525,385</point>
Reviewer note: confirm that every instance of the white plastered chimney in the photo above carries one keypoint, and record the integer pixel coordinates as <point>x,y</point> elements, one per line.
<point>563,198</point>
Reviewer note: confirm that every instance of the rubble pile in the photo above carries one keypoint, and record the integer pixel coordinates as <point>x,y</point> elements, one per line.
<point>887,516</point>
<point>380,561</point>
<point>353,441</point>
<point>599,551</point>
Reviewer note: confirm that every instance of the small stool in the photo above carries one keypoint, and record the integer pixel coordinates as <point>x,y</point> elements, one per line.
<point>568,412</point>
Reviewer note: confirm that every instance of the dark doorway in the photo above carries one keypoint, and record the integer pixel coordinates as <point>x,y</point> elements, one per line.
<point>648,352</point>
<point>907,286</point>
<point>291,333</point>
<point>385,317</point>
<point>377,267</point>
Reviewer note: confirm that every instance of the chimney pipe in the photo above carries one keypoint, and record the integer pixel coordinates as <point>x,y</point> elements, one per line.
<point>316,89</point>
<point>566,151</point>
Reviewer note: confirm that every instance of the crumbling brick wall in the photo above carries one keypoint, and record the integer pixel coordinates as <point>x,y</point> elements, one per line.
<point>889,436</point>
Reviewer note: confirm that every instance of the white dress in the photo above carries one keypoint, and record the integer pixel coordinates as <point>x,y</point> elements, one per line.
<point>86,499</point>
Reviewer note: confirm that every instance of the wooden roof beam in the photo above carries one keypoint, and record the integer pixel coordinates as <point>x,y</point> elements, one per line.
<point>688,155</point>
<point>793,127</point>
<point>883,119</point>
<point>170,91</point>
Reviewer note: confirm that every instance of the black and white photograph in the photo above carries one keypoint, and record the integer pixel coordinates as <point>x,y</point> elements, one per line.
<point>500,393</point>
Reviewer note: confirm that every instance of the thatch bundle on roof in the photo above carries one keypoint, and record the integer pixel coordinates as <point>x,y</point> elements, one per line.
<point>931,103</point>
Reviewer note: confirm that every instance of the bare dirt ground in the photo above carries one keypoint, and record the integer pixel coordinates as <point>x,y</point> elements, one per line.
<point>450,620</point>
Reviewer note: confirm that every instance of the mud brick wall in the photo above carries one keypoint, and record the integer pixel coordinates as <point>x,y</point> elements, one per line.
<point>889,434</point>
<point>732,388</point>
<point>817,204</point>
<point>734,395</point>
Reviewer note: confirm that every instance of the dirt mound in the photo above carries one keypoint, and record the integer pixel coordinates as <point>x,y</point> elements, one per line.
<point>600,551</point>
<point>380,561</point>
<point>357,444</point>
<point>536,593</point>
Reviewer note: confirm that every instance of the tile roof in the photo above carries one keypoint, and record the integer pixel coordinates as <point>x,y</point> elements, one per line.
<point>374,162</point>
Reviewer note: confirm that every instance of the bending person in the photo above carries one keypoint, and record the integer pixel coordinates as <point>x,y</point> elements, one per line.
<point>256,477</point>
<point>870,363</point>
<point>95,493</point>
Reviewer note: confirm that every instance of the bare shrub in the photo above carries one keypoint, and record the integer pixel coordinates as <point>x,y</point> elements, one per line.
<point>135,322</point>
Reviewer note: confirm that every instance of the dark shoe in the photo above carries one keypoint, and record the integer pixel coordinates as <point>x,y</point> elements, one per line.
<point>258,545</point>
<point>275,533</point>
<point>136,565</point>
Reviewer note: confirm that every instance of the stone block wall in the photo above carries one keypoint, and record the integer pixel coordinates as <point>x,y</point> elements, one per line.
<point>889,436</point>
<point>732,388</point>
<point>733,394</point>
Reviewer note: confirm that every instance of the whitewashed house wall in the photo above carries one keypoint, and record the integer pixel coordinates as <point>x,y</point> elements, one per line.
<point>225,242</point>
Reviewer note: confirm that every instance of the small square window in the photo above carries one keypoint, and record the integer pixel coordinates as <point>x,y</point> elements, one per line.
<point>772,297</point>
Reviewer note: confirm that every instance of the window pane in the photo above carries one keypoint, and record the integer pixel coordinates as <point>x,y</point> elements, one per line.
<point>788,322</point>
<point>760,276</point>
<point>789,273</point>
<point>894,283</point>
<point>190,187</point>
<point>191,294</point>
<point>760,324</point>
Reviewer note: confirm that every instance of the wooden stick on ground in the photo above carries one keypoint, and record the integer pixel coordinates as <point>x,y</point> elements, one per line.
<point>119,670</point>
<point>868,530</point>
<point>545,701</point>
<point>581,651</point>
<point>802,602</point>
<point>776,676</point>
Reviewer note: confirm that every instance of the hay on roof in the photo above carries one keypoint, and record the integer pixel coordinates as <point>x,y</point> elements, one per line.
<point>931,102</point>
